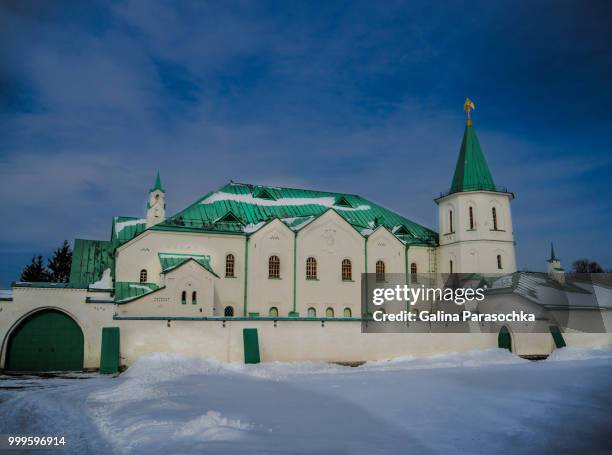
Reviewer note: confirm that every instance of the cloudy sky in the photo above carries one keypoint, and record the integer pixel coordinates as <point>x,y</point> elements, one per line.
<point>358,97</point>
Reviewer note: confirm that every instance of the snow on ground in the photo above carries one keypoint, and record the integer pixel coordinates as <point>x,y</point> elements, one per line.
<point>477,402</point>
<point>569,353</point>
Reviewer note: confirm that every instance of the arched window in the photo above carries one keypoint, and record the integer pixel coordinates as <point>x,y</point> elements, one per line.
<point>273,313</point>
<point>380,271</point>
<point>194,298</point>
<point>494,213</point>
<point>329,313</point>
<point>274,267</point>
<point>450,221</point>
<point>499,261</point>
<point>312,313</point>
<point>347,312</point>
<point>143,276</point>
<point>471,213</point>
<point>311,269</point>
<point>347,270</point>
<point>228,312</point>
<point>413,272</point>
<point>184,297</point>
<point>450,263</point>
<point>229,265</point>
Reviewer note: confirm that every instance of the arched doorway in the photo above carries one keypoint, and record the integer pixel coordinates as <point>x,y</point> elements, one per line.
<point>504,340</point>
<point>47,340</point>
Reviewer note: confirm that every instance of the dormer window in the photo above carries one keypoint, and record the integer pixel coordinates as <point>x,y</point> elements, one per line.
<point>401,230</point>
<point>341,201</point>
<point>263,193</point>
<point>229,217</point>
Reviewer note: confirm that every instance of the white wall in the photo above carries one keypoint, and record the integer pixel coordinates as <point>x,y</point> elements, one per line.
<point>142,253</point>
<point>90,317</point>
<point>329,239</point>
<point>476,250</point>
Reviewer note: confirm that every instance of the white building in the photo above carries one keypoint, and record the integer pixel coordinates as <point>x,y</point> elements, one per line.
<point>286,262</point>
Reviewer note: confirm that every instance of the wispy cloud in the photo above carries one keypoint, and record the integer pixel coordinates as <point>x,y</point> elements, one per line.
<point>349,98</point>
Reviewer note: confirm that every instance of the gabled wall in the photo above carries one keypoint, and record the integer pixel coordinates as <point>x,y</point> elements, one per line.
<point>142,252</point>
<point>329,239</point>
<point>275,238</point>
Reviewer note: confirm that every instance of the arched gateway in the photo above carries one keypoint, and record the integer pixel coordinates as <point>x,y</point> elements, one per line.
<point>47,340</point>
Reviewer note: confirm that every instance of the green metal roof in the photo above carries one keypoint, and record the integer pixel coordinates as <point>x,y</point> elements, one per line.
<point>126,291</point>
<point>471,172</point>
<point>125,228</point>
<point>157,185</point>
<point>170,261</point>
<point>238,208</point>
<point>89,260</point>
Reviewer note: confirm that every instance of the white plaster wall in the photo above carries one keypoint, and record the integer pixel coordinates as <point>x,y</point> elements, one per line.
<point>277,239</point>
<point>476,250</point>
<point>329,239</point>
<point>289,341</point>
<point>384,246</point>
<point>90,317</point>
<point>142,253</point>
<point>189,277</point>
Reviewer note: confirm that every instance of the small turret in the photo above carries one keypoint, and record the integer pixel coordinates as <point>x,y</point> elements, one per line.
<point>156,207</point>
<point>554,266</point>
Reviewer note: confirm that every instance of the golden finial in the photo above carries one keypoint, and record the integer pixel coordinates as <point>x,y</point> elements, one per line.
<point>467,107</point>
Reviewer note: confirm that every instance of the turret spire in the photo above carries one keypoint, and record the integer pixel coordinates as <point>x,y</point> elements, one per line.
<point>472,171</point>
<point>552,253</point>
<point>158,185</point>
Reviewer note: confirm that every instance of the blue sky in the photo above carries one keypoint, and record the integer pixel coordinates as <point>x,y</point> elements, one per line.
<point>356,97</point>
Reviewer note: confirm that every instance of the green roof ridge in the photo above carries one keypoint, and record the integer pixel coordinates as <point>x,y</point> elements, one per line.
<point>471,172</point>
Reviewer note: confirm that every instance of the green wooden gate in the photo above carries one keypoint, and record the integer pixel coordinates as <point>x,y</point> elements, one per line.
<point>48,340</point>
<point>504,340</point>
<point>251,346</point>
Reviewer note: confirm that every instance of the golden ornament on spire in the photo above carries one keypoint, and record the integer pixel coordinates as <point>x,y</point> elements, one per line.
<point>467,107</point>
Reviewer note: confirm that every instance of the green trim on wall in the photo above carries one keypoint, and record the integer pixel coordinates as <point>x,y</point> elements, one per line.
<point>294,272</point>
<point>238,318</point>
<point>408,278</point>
<point>246,274</point>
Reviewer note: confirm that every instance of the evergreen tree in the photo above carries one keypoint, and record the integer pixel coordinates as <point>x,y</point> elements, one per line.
<point>59,264</point>
<point>35,271</point>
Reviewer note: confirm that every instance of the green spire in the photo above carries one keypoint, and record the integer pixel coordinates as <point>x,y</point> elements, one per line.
<point>158,185</point>
<point>552,253</point>
<point>471,172</point>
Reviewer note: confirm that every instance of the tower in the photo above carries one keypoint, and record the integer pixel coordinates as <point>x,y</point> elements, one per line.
<point>475,220</point>
<point>156,207</point>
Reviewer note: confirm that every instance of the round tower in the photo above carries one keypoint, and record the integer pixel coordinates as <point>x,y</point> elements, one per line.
<point>475,220</point>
